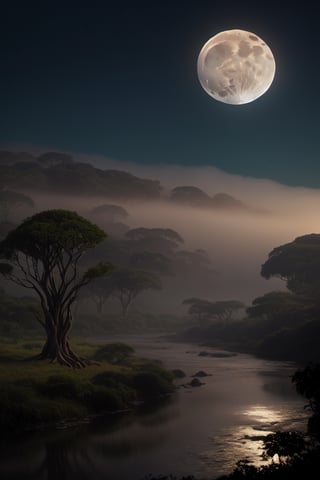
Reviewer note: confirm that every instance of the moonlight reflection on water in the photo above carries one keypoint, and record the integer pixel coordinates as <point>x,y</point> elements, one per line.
<point>245,442</point>
<point>201,431</point>
<point>264,414</point>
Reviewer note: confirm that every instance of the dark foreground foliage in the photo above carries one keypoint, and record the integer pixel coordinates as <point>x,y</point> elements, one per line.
<point>305,466</point>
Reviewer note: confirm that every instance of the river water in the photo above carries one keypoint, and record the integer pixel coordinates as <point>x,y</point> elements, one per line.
<point>200,430</point>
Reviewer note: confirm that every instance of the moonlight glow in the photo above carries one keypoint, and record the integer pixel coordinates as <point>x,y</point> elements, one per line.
<point>236,67</point>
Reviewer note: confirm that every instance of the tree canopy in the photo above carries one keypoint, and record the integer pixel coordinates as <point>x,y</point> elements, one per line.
<point>273,304</point>
<point>128,284</point>
<point>298,263</point>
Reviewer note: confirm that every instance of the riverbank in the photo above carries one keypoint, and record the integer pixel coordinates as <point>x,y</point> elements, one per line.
<point>299,344</point>
<point>202,430</point>
<point>36,394</point>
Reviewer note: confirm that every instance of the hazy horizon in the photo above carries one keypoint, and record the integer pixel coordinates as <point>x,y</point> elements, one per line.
<point>237,241</point>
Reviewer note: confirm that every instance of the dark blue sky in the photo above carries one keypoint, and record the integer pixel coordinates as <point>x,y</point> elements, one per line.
<point>120,80</point>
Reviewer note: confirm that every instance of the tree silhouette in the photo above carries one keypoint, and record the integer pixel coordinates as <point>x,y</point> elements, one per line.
<point>151,262</point>
<point>298,263</point>
<point>110,213</point>
<point>161,240</point>
<point>205,310</point>
<point>128,284</point>
<point>99,291</point>
<point>283,444</point>
<point>43,255</point>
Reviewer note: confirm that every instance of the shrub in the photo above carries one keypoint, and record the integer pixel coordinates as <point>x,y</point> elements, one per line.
<point>103,399</point>
<point>178,373</point>
<point>157,369</point>
<point>114,352</point>
<point>151,385</point>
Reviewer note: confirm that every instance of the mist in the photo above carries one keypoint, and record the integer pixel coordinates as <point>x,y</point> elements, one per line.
<point>238,241</point>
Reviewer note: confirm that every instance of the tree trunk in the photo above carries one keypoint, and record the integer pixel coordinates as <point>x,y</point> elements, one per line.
<point>57,347</point>
<point>124,302</point>
<point>59,351</point>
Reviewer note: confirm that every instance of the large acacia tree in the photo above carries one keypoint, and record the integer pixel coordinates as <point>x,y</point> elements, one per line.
<point>43,254</point>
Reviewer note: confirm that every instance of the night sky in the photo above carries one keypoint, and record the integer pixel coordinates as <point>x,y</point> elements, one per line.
<point>120,80</point>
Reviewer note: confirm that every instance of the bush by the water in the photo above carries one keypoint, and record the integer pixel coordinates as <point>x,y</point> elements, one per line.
<point>114,352</point>
<point>152,383</point>
<point>149,381</point>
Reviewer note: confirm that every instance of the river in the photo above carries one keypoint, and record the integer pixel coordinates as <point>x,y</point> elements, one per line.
<point>200,430</point>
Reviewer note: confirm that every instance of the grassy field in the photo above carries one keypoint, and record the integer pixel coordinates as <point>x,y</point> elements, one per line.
<point>36,393</point>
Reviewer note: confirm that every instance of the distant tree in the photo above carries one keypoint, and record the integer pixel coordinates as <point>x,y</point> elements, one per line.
<point>128,284</point>
<point>196,262</point>
<point>195,197</point>
<point>124,284</point>
<point>142,233</point>
<point>298,263</point>
<point>151,262</point>
<point>205,310</point>
<point>224,200</point>
<point>110,213</point>
<point>10,200</point>
<point>228,307</point>
<point>158,250</point>
<point>99,291</point>
<point>161,240</point>
<point>190,196</point>
<point>43,255</point>
<point>119,184</point>
<point>198,308</point>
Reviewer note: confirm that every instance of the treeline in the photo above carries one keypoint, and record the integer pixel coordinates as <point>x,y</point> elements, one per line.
<point>60,173</point>
<point>278,325</point>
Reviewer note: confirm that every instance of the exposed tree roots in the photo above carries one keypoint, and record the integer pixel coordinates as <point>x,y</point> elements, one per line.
<point>63,355</point>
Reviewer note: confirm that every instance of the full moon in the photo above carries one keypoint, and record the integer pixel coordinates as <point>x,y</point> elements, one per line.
<point>236,67</point>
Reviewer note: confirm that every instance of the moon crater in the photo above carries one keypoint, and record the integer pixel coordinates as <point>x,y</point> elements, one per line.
<point>236,67</point>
